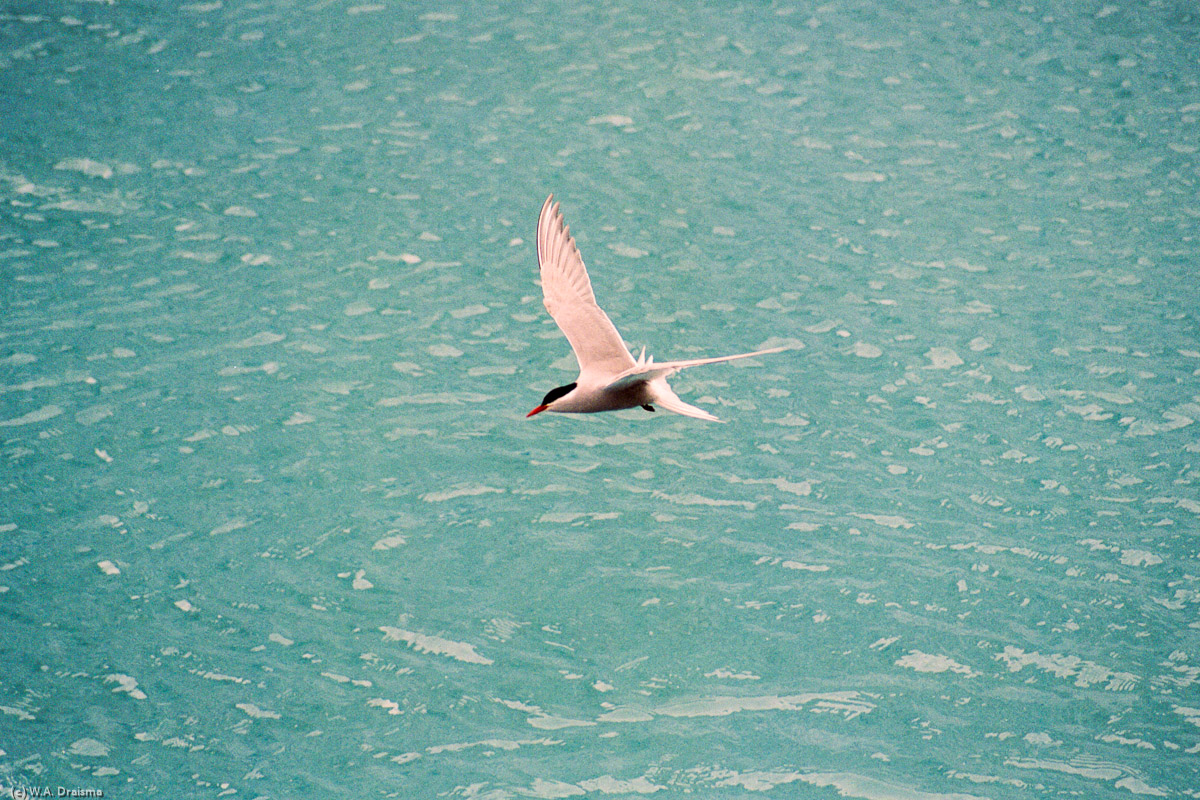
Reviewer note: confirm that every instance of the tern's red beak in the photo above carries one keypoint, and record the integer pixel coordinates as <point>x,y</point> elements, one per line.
<point>537,410</point>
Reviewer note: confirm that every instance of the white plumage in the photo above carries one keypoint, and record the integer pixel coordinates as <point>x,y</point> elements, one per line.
<point>609,377</point>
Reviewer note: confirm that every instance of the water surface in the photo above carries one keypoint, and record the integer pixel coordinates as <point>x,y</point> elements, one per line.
<point>272,522</point>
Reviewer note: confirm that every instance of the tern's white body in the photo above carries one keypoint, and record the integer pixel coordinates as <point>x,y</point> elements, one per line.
<point>609,377</point>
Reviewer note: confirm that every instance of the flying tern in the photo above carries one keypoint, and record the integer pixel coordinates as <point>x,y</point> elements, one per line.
<point>609,377</point>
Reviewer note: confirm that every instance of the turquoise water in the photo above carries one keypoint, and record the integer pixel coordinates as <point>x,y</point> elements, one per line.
<point>272,523</point>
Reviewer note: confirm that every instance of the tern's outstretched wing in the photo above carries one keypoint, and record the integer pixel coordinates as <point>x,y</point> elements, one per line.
<point>568,296</point>
<point>666,399</point>
<point>647,370</point>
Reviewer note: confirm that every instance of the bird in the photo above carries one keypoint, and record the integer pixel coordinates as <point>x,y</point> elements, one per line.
<point>610,379</point>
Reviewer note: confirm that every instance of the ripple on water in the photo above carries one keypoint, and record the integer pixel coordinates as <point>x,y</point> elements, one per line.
<point>46,412</point>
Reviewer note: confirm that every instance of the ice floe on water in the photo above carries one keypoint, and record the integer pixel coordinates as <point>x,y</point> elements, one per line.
<point>88,748</point>
<point>844,704</point>
<point>253,711</point>
<point>943,358</point>
<point>845,784</point>
<point>1082,672</point>
<point>436,645</point>
<point>125,684</point>
<point>924,662</point>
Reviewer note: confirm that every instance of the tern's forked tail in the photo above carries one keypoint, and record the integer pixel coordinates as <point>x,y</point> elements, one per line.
<point>645,369</point>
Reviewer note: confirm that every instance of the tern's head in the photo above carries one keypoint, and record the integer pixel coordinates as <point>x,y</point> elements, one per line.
<point>551,396</point>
